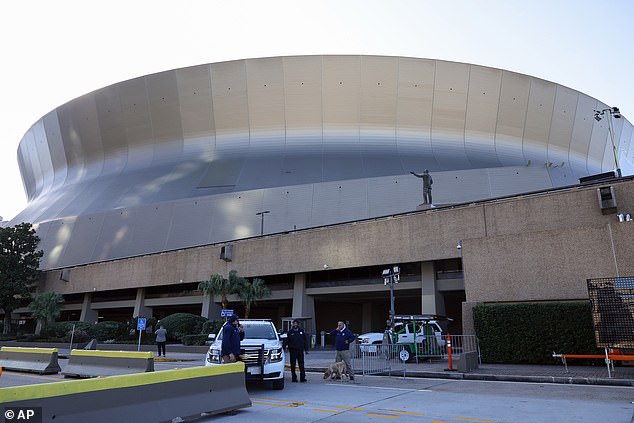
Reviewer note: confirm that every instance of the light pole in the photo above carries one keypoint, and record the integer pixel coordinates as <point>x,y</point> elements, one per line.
<point>391,276</point>
<point>261,214</point>
<point>616,113</point>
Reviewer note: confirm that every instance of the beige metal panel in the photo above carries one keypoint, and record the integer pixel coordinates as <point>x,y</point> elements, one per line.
<point>538,121</point>
<point>293,206</point>
<point>404,191</point>
<point>511,118</point>
<point>53,151</point>
<point>150,225</point>
<point>81,244</point>
<point>599,155</point>
<point>448,119</point>
<point>512,180</point>
<point>196,104</point>
<point>626,145</point>
<point>559,139</point>
<point>414,111</point>
<point>236,215</point>
<point>25,166</point>
<point>85,137</point>
<point>230,104</point>
<point>115,235</point>
<point>265,85</point>
<point>135,117</point>
<point>302,88</point>
<point>377,115</point>
<point>481,118</point>
<point>32,159</point>
<point>47,243</point>
<point>167,129</point>
<point>581,134</point>
<point>378,89</point>
<point>339,201</point>
<point>191,223</point>
<point>340,97</point>
<point>112,131</point>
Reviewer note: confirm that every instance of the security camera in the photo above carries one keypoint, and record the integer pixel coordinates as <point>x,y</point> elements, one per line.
<point>459,246</point>
<point>325,266</point>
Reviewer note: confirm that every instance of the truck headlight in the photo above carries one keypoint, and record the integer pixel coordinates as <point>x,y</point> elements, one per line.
<point>213,356</point>
<point>275,355</point>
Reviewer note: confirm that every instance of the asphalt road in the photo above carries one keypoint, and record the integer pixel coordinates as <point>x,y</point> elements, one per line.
<point>371,399</point>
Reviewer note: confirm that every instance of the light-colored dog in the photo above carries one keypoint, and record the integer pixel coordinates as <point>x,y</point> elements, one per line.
<point>336,370</point>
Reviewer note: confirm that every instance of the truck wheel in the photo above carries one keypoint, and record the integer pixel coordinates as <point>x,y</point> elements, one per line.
<point>404,355</point>
<point>278,384</point>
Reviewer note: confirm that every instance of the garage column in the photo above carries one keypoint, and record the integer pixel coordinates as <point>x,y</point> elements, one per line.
<point>211,309</point>
<point>87,313</point>
<point>429,304</point>
<point>140,310</point>
<point>303,305</point>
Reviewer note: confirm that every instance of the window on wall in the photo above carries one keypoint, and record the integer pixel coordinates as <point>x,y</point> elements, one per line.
<point>410,272</point>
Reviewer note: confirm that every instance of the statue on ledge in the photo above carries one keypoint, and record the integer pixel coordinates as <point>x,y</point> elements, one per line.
<point>427,182</point>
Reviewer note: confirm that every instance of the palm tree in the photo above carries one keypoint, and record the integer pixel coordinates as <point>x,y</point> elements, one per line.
<point>250,291</point>
<point>217,285</point>
<point>46,307</point>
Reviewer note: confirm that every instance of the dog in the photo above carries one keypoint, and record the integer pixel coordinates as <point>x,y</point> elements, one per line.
<point>336,370</point>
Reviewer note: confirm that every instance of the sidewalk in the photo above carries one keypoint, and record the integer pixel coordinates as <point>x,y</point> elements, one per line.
<point>318,360</point>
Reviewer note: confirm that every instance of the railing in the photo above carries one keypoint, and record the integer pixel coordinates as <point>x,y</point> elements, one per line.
<point>388,358</point>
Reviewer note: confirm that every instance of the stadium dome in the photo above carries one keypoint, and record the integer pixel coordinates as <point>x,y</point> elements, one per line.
<point>232,150</point>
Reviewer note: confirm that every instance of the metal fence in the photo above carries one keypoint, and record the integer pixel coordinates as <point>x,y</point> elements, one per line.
<point>391,358</point>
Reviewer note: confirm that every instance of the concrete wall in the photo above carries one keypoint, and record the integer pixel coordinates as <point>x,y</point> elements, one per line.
<point>531,248</point>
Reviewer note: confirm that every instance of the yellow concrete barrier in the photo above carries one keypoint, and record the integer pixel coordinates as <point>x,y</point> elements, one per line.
<point>93,363</point>
<point>36,360</point>
<point>140,397</point>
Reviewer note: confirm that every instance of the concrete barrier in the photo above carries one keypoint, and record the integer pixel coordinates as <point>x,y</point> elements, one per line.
<point>93,363</point>
<point>141,397</point>
<point>36,360</point>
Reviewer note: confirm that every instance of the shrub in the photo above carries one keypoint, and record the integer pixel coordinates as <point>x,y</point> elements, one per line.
<point>77,337</point>
<point>181,324</point>
<point>530,332</point>
<point>194,339</point>
<point>107,330</point>
<point>60,329</point>
<point>211,326</point>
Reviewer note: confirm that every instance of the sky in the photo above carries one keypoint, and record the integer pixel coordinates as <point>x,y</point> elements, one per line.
<point>55,51</point>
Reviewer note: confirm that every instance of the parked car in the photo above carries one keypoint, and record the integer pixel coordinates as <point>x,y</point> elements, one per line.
<point>260,350</point>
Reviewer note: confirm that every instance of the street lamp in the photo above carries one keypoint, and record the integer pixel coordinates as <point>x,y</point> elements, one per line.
<point>391,276</point>
<point>261,214</point>
<point>610,112</point>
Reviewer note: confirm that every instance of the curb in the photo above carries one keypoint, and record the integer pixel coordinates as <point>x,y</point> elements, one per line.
<point>506,378</point>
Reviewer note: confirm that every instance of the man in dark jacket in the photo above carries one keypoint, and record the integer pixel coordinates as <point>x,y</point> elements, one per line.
<point>232,334</point>
<point>297,344</point>
<point>343,338</point>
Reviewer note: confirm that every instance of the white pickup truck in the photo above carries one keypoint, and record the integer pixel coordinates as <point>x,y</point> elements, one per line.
<point>260,350</point>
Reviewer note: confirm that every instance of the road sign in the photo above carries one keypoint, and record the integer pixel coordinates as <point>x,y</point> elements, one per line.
<point>226,313</point>
<point>140,324</point>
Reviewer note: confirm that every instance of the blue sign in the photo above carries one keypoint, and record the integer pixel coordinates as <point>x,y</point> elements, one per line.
<point>226,313</point>
<point>140,324</point>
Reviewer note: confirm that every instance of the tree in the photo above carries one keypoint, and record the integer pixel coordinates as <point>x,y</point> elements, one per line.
<point>217,285</point>
<point>46,307</point>
<point>251,291</point>
<point>19,263</point>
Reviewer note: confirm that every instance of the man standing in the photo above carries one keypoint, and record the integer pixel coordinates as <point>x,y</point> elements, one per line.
<point>232,334</point>
<point>343,338</point>
<point>161,339</point>
<point>297,344</point>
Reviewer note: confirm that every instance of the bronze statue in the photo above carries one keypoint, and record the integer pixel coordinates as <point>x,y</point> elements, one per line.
<point>427,181</point>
